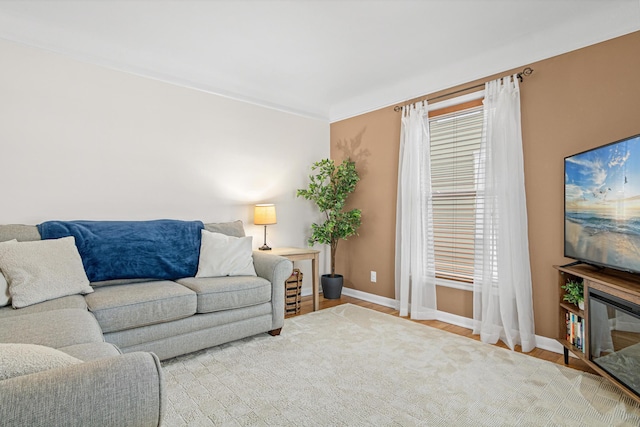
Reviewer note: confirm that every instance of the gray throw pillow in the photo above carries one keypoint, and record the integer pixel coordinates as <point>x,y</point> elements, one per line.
<point>42,270</point>
<point>5,297</point>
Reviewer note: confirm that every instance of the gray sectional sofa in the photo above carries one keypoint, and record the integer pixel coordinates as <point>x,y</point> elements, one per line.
<point>117,334</point>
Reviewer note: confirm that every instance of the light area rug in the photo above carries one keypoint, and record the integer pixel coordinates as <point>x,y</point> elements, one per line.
<point>351,366</point>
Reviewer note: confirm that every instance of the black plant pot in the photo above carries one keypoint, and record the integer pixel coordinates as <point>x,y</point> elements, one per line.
<point>331,286</point>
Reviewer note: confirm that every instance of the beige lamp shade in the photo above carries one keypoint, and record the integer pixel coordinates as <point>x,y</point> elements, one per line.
<point>264,214</point>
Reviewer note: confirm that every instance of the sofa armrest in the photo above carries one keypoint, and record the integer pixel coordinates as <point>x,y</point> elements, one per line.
<point>277,270</point>
<point>125,390</point>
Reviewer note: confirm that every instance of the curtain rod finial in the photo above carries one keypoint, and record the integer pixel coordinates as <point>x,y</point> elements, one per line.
<point>524,73</point>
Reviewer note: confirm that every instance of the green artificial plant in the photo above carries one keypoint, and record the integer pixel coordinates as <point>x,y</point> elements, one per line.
<point>574,292</point>
<point>329,187</point>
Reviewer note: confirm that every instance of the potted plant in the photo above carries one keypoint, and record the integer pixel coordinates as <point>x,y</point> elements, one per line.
<point>329,187</point>
<point>574,293</point>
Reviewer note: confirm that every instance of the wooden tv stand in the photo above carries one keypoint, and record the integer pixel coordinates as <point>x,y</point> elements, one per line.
<point>620,284</point>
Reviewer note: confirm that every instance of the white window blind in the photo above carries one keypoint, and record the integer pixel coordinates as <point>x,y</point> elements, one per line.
<point>455,145</point>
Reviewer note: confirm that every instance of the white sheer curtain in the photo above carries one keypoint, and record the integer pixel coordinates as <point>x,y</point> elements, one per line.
<point>502,303</point>
<point>415,265</point>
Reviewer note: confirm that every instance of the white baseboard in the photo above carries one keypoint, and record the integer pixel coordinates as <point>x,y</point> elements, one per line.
<point>454,319</point>
<point>543,343</point>
<point>376,299</point>
<point>365,296</point>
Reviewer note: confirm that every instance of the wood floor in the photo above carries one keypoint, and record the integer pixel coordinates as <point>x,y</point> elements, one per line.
<point>307,307</point>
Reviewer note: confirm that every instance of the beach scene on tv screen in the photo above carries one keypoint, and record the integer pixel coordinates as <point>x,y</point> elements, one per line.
<point>602,205</point>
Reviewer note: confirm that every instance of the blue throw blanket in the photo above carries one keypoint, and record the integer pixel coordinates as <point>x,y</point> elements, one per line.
<point>161,249</point>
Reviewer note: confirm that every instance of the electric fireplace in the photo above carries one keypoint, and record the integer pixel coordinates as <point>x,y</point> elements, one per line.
<point>614,337</point>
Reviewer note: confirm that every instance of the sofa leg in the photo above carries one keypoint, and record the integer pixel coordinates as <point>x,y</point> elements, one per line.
<point>275,332</point>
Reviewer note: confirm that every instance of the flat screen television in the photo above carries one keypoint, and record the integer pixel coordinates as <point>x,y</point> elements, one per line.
<point>602,205</point>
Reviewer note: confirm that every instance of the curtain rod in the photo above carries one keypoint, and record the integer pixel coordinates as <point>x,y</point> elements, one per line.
<point>521,75</point>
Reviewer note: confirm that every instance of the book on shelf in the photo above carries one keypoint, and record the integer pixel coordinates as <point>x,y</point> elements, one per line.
<point>575,330</point>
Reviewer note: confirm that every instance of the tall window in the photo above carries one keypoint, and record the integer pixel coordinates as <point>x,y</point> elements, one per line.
<point>455,145</point>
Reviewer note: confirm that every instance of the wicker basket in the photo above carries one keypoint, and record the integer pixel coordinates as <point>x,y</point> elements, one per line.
<point>293,288</point>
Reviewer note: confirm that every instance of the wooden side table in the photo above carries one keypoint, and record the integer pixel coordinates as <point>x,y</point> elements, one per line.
<point>298,254</point>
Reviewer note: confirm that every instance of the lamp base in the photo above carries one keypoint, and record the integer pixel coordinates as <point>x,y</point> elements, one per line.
<point>265,247</point>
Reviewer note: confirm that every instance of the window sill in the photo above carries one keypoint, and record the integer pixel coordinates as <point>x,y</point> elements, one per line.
<point>454,284</point>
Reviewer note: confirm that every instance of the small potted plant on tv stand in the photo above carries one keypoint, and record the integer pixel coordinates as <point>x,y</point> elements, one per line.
<point>329,187</point>
<point>574,293</point>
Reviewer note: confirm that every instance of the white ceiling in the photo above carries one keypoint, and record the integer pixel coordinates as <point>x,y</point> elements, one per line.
<point>326,59</point>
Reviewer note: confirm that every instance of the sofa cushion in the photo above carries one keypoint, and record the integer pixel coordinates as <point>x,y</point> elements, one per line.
<point>222,255</point>
<point>42,270</point>
<point>91,351</point>
<point>25,359</point>
<point>224,293</point>
<point>119,282</point>
<point>57,328</point>
<point>72,301</point>
<point>121,307</point>
<point>200,322</point>
<point>23,233</point>
<point>232,228</point>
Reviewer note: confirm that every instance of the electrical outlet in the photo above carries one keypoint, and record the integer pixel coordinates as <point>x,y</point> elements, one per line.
<point>373,276</point>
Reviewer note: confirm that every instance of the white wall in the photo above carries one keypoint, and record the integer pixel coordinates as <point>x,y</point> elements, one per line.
<point>78,141</point>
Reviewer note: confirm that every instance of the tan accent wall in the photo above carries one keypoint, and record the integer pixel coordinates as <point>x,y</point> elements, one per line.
<point>572,102</point>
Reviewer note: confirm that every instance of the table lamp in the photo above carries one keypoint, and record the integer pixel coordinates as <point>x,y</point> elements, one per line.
<point>264,214</point>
